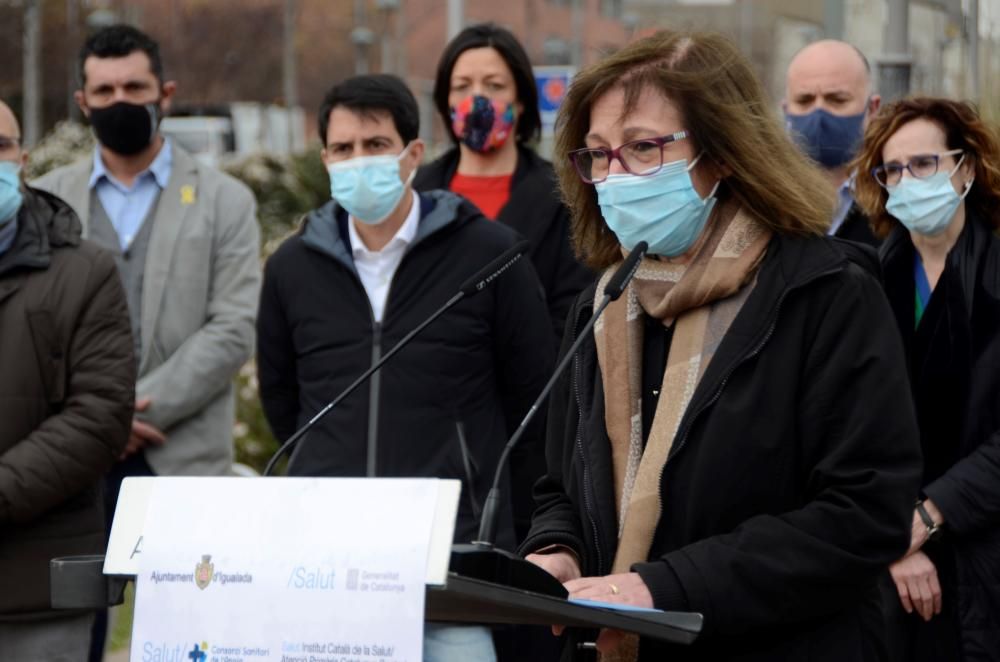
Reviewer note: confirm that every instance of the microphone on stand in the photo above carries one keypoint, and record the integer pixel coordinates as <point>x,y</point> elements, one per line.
<point>481,559</point>
<point>473,285</point>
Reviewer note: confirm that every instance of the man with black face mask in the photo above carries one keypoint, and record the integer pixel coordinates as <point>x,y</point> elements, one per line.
<point>186,242</point>
<point>828,102</point>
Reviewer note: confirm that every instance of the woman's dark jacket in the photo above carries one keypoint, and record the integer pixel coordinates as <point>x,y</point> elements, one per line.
<point>537,213</point>
<point>67,392</point>
<point>791,481</point>
<point>955,371</point>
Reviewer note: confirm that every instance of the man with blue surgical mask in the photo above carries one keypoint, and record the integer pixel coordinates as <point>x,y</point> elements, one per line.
<point>828,103</point>
<point>67,380</point>
<point>364,270</point>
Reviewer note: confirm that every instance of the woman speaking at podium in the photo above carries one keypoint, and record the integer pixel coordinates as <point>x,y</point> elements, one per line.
<point>737,438</point>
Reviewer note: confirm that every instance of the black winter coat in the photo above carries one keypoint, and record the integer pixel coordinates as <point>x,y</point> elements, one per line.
<point>479,366</point>
<point>955,371</point>
<point>791,481</point>
<point>67,392</point>
<point>857,228</point>
<point>537,213</point>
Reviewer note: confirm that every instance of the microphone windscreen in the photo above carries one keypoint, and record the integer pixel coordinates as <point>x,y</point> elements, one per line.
<point>480,280</point>
<point>621,278</point>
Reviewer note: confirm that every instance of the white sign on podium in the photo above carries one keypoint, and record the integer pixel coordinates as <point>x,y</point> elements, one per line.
<point>283,569</point>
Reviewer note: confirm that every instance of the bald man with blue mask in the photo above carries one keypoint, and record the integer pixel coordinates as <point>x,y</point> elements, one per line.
<point>828,102</point>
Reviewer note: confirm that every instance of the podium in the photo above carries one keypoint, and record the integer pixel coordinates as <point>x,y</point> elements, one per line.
<point>79,583</point>
<point>97,582</point>
<point>463,599</point>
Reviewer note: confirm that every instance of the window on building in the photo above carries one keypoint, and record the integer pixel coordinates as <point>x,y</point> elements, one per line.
<point>611,8</point>
<point>556,50</point>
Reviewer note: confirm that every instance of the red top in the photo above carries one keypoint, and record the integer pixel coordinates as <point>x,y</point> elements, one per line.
<point>488,192</point>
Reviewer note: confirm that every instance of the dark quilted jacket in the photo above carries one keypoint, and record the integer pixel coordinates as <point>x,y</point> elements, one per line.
<point>67,379</point>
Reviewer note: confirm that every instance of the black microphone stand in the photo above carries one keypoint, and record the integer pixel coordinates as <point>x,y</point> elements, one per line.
<point>475,284</point>
<point>481,559</point>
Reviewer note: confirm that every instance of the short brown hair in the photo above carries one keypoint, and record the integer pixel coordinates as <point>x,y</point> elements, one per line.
<point>728,116</point>
<point>963,129</point>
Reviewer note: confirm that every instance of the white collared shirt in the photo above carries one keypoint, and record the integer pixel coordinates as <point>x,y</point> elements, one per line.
<point>376,268</point>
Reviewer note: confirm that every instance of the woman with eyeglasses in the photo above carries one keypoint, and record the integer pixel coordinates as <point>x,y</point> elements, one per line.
<point>934,193</point>
<point>486,96</point>
<point>736,438</point>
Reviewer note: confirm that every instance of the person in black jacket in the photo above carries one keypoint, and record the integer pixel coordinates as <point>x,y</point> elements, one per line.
<point>736,438</point>
<point>828,102</point>
<point>934,192</point>
<point>486,95</point>
<point>365,270</point>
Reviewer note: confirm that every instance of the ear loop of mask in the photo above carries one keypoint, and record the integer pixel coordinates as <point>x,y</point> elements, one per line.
<point>413,173</point>
<point>717,182</point>
<point>968,184</point>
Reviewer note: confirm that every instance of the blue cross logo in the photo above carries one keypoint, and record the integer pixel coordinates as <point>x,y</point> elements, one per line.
<point>197,654</point>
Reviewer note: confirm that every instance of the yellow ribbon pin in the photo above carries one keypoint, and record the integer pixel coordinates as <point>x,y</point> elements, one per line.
<point>187,195</point>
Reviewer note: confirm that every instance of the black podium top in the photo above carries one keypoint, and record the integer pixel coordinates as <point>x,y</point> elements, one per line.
<point>465,600</point>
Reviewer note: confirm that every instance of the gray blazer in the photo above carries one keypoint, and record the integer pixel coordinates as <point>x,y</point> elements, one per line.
<point>199,302</point>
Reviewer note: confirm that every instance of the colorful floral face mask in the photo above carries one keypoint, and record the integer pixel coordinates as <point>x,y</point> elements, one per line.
<point>481,123</point>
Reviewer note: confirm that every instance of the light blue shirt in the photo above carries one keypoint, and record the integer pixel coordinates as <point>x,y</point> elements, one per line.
<point>128,207</point>
<point>845,199</point>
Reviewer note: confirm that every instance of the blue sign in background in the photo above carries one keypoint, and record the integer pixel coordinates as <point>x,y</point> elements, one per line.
<point>552,83</point>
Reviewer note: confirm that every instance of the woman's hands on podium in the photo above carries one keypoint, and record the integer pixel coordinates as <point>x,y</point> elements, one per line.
<point>560,563</point>
<point>625,588</point>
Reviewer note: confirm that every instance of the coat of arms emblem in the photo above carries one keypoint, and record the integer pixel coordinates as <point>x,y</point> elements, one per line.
<point>203,571</point>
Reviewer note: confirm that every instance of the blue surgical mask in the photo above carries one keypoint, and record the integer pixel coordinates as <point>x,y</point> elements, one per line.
<point>831,140</point>
<point>10,191</point>
<point>926,206</point>
<point>662,209</point>
<point>368,187</point>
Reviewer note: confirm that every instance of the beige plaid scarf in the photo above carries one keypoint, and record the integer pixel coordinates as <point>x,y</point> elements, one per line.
<point>704,296</point>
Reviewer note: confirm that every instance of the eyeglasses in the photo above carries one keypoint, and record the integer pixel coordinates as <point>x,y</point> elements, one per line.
<point>639,157</point>
<point>7,142</point>
<point>920,166</point>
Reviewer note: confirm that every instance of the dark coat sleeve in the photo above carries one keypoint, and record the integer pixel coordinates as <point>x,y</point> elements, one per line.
<point>860,468</point>
<point>276,363</point>
<point>524,356</point>
<point>74,447</point>
<point>556,520</point>
<point>967,494</point>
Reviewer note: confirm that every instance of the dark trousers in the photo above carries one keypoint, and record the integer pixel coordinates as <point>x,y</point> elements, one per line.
<point>527,643</point>
<point>134,465</point>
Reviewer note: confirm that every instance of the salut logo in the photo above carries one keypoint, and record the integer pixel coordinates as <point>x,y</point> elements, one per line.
<point>174,653</point>
<point>311,578</point>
